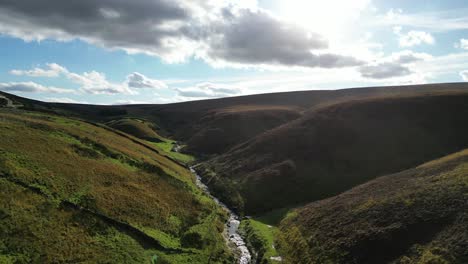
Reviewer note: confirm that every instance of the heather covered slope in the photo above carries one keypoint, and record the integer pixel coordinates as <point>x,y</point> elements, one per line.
<point>214,126</point>
<point>219,130</point>
<point>73,192</point>
<point>416,216</point>
<point>334,148</point>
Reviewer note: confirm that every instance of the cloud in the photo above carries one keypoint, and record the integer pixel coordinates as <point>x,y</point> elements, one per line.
<point>440,21</point>
<point>395,65</point>
<point>129,102</point>
<point>464,75</point>
<point>253,38</point>
<point>31,87</point>
<point>224,31</point>
<point>407,56</point>
<point>64,100</point>
<point>94,82</point>
<point>53,70</point>
<point>208,90</point>
<point>413,37</point>
<point>384,70</point>
<point>463,44</point>
<point>138,80</point>
<point>151,27</point>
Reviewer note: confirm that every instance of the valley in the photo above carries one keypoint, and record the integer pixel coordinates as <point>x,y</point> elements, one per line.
<point>367,175</point>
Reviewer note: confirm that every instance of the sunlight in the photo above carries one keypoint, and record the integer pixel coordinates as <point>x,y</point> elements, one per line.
<point>329,18</point>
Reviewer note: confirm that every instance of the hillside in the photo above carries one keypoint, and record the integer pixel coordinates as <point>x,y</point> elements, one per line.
<point>334,148</point>
<point>136,127</point>
<point>109,184</point>
<point>227,122</point>
<point>214,126</point>
<point>74,192</point>
<point>218,130</point>
<point>416,216</point>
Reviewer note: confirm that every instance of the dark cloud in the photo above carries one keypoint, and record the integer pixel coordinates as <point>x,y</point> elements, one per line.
<point>136,24</point>
<point>172,29</point>
<point>130,11</point>
<point>406,57</point>
<point>396,65</point>
<point>384,70</point>
<point>138,80</point>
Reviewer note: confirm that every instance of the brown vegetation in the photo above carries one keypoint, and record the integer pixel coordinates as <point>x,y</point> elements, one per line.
<point>334,148</point>
<point>415,216</point>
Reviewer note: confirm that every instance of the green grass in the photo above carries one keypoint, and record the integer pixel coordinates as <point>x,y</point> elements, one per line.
<point>166,146</point>
<point>166,240</point>
<point>65,160</point>
<point>261,233</point>
<point>137,127</point>
<point>274,217</point>
<point>260,237</point>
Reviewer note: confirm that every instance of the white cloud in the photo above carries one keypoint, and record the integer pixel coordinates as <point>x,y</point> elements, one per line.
<point>440,21</point>
<point>464,75</point>
<point>130,102</point>
<point>64,100</point>
<point>94,82</point>
<point>52,70</point>
<point>446,64</point>
<point>208,90</point>
<point>462,44</point>
<point>413,37</point>
<point>31,87</point>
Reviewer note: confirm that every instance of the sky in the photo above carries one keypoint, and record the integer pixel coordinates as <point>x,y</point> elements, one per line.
<point>165,51</point>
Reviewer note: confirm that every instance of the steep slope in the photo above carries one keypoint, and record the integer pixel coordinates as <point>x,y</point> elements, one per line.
<point>221,129</point>
<point>415,216</point>
<point>74,192</point>
<point>334,148</point>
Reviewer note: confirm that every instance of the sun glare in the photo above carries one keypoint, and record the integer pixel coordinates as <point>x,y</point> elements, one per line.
<point>329,17</point>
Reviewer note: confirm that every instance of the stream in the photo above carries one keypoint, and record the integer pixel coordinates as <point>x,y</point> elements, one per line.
<point>232,236</point>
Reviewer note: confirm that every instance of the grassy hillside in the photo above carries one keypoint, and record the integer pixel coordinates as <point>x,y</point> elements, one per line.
<point>73,192</point>
<point>147,131</point>
<point>139,128</point>
<point>415,216</point>
<point>333,148</point>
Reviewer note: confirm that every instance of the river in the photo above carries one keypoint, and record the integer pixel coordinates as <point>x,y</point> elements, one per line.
<point>233,238</point>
